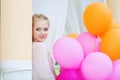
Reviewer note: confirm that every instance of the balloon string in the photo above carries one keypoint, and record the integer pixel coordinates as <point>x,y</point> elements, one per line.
<point>95,45</point>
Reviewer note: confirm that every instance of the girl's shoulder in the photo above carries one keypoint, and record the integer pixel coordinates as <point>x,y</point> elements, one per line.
<point>38,45</point>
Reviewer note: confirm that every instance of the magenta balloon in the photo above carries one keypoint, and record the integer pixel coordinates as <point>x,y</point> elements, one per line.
<point>69,75</point>
<point>116,71</point>
<point>97,66</point>
<point>68,53</point>
<point>78,71</point>
<point>89,42</point>
<point>61,69</point>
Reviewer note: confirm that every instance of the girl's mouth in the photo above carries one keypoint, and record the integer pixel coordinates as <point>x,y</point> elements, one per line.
<point>42,37</point>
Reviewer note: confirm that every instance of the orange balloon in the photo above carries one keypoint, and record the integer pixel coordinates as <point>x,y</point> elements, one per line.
<point>110,44</point>
<point>113,25</point>
<point>97,18</point>
<point>73,35</point>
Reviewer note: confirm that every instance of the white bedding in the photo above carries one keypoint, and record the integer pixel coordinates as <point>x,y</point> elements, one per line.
<point>16,70</point>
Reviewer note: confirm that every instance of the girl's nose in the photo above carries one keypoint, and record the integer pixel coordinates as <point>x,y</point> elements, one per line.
<point>42,32</point>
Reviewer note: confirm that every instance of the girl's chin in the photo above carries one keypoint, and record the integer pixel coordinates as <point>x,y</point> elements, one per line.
<point>41,40</point>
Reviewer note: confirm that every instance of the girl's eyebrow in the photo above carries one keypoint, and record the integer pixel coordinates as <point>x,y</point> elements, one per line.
<point>38,27</point>
<point>46,27</point>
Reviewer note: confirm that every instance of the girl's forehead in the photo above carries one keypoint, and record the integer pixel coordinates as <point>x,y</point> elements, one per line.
<point>41,23</point>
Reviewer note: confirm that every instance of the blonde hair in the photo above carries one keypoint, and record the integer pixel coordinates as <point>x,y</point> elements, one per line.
<point>35,17</point>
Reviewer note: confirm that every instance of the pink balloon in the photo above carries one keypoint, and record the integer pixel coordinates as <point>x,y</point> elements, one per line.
<point>68,53</point>
<point>89,42</point>
<point>69,75</point>
<point>97,66</point>
<point>116,71</point>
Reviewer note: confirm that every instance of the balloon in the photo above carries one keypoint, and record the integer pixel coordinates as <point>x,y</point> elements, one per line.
<point>116,71</point>
<point>78,71</point>
<point>113,25</point>
<point>110,44</point>
<point>97,18</point>
<point>68,53</point>
<point>61,69</point>
<point>73,35</point>
<point>69,75</point>
<point>89,42</point>
<point>97,44</point>
<point>96,66</point>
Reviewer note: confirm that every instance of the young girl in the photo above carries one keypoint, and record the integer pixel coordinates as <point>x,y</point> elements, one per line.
<point>42,64</point>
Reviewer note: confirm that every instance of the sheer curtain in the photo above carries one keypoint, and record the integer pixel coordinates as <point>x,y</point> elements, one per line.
<point>74,20</point>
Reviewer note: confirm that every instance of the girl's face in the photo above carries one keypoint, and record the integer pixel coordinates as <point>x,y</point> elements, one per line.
<point>40,30</point>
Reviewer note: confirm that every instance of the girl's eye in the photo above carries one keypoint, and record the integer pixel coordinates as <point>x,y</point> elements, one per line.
<point>46,29</point>
<point>37,29</point>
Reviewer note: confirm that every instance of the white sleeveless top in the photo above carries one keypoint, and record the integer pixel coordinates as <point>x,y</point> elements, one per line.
<point>42,65</point>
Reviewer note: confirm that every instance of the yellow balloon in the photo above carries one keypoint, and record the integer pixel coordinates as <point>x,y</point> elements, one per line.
<point>73,35</point>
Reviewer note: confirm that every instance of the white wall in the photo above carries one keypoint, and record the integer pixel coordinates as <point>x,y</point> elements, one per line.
<point>16,30</point>
<point>16,39</point>
<point>115,8</point>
